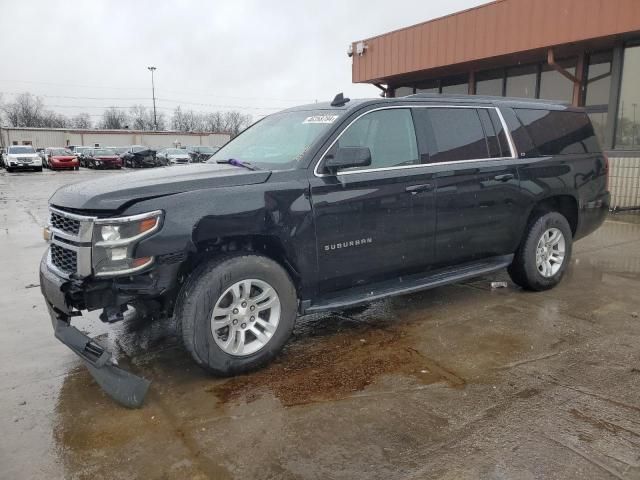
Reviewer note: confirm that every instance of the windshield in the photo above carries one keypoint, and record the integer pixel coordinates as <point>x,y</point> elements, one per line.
<point>22,149</point>
<point>103,151</point>
<point>278,141</point>
<point>138,148</point>
<point>175,151</point>
<point>60,151</point>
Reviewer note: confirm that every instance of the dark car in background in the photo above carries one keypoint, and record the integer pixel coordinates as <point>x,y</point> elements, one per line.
<point>139,156</point>
<point>80,152</point>
<point>201,153</point>
<point>102,158</point>
<point>57,158</point>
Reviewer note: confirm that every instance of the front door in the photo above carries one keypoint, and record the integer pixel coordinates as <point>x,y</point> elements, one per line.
<point>374,222</point>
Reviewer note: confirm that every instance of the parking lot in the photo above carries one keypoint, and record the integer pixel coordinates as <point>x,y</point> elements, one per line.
<point>459,382</point>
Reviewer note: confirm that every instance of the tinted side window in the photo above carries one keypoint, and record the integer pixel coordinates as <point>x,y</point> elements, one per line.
<point>558,132</point>
<point>389,135</point>
<point>452,133</point>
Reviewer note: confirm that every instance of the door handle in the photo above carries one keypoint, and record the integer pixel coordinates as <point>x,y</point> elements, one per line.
<point>415,189</point>
<point>505,177</point>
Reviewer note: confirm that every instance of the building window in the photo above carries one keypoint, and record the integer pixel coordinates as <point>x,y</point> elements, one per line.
<point>628,122</point>
<point>554,85</point>
<point>598,87</point>
<point>430,86</point>
<point>598,79</point>
<point>403,91</point>
<point>521,81</point>
<point>490,83</point>
<point>455,86</point>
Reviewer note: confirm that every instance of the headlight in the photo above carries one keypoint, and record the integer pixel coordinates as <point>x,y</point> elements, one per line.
<point>115,240</point>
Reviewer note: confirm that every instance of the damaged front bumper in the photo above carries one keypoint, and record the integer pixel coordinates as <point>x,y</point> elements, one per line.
<point>124,387</point>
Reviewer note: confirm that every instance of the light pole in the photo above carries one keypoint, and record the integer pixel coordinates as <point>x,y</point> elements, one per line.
<point>153,92</point>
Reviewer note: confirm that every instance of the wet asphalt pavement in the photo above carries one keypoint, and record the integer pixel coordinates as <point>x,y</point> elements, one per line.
<point>460,382</point>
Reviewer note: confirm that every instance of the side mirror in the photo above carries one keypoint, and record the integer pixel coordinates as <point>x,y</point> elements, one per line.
<point>347,157</point>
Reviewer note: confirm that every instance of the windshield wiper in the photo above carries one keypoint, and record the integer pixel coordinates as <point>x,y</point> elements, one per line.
<point>238,163</point>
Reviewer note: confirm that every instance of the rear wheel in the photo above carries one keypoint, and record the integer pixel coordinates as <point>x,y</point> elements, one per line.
<point>236,313</point>
<point>544,253</point>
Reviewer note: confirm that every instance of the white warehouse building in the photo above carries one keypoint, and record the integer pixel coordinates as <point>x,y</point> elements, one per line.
<point>63,137</point>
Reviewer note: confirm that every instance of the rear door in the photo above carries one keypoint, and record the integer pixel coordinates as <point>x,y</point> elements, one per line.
<point>375,222</point>
<point>478,193</point>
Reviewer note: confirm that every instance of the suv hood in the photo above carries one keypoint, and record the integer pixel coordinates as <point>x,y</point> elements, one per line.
<point>115,191</point>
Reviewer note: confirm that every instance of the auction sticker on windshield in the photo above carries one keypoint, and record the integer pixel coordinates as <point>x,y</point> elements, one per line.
<point>321,119</point>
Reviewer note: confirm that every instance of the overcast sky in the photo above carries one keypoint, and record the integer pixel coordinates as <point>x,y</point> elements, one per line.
<point>254,56</point>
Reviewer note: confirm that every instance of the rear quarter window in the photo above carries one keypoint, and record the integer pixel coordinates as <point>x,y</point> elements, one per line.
<point>559,132</point>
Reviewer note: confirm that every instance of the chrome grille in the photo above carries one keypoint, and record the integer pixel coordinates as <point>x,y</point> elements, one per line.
<point>71,237</point>
<point>65,224</point>
<point>64,259</point>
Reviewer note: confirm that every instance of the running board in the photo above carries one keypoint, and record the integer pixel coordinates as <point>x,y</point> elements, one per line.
<point>404,285</point>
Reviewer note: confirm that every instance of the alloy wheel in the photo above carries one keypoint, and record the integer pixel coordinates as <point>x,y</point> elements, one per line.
<point>550,252</point>
<point>245,317</point>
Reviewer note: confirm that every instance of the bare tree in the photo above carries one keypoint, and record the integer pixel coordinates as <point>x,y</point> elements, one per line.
<point>81,120</point>
<point>235,122</point>
<point>232,122</point>
<point>51,119</point>
<point>141,118</point>
<point>25,111</point>
<point>188,121</point>
<point>114,119</point>
<point>213,122</point>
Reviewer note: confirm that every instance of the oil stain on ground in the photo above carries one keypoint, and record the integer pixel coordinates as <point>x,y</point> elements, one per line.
<point>334,364</point>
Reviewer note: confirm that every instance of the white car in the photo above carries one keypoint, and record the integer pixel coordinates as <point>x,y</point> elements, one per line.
<point>22,157</point>
<point>174,156</point>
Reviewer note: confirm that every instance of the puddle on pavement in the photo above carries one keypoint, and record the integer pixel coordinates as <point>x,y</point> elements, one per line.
<point>341,357</point>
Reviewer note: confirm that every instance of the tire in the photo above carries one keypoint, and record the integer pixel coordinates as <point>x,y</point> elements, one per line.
<point>9,169</point>
<point>208,287</point>
<point>39,169</point>
<point>526,270</point>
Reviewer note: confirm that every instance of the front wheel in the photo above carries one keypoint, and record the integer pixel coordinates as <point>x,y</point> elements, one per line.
<point>236,313</point>
<point>544,253</point>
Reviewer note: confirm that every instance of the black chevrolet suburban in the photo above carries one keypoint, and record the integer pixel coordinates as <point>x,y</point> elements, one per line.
<point>322,207</point>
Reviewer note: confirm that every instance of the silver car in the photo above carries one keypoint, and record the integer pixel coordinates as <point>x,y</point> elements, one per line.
<point>174,156</point>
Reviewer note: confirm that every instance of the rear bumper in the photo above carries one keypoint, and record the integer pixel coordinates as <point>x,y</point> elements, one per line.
<point>592,215</point>
<point>124,387</point>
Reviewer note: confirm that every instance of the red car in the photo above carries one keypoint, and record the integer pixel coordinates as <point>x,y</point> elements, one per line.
<point>101,158</point>
<point>60,158</point>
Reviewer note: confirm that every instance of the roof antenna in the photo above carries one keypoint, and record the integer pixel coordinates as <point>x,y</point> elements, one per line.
<point>339,100</point>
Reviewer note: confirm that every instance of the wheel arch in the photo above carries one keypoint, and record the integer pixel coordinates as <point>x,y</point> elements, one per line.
<point>269,246</point>
<point>566,205</point>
